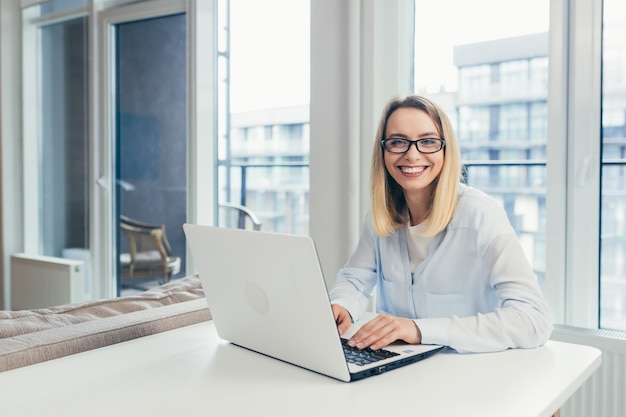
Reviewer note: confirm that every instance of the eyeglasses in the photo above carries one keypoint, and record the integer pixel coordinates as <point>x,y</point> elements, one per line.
<point>401,145</point>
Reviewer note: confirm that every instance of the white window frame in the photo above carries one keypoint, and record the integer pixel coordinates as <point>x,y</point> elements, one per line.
<point>573,174</point>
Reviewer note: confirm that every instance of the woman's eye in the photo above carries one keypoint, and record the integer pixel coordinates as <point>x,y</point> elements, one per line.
<point>397,142</point>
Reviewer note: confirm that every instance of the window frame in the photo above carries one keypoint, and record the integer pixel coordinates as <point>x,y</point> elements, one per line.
<point>573,173</point>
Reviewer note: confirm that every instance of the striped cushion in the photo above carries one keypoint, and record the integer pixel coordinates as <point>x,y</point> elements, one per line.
<point>32,336</point>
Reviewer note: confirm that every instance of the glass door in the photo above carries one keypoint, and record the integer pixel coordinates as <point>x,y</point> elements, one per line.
<point>151,147</point>
<point>142,163</point>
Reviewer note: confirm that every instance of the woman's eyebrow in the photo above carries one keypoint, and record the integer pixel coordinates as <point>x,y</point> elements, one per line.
<point>421,135</point>
<point>429,135</point>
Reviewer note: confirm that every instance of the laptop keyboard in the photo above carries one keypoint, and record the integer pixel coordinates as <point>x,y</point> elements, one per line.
<point>364,356</point>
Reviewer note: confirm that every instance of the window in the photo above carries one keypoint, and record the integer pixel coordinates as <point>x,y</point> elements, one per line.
<point>538,83</point>
<point>513,127</point>
<point>496,70</point>
<point>475,79</point>
<point>57,207</point>
<point>514,77</point>
<point>264,143</point>
<point>64,146</point>
<point>538,128</point>
<point>613,171</point>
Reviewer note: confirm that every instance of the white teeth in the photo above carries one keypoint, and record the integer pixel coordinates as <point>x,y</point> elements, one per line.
<point>413,170</point>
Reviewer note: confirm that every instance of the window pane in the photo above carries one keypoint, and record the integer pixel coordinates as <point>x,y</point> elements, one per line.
<point>151,117</point>
<point>56,6</point>
<point>491,76</point>
<point>64,138</point>
<point>613,214</point>
<point>263,149</point>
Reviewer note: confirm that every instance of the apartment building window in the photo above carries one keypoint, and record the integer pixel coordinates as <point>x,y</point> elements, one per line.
<point>474,128</point>
<point>514,77</point>
<point>513,127</point>
<point>476,79</point>
<point>538,129</point>
<point>538,82</point>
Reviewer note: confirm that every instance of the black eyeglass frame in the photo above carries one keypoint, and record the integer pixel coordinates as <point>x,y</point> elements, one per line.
<point>442,143</point>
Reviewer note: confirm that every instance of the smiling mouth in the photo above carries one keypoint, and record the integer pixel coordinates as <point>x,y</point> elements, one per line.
<point>413,170</point>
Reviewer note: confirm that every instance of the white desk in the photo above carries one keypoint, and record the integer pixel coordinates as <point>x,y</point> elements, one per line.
<point>191,372</point>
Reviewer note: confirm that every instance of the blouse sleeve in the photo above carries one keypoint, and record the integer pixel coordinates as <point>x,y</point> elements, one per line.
<point>355,282</point>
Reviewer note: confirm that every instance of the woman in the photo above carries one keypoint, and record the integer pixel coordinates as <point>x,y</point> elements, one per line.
<point>443,256</point>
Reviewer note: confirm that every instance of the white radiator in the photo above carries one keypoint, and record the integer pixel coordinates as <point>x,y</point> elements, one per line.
<point>45,281</point>
<point>604,393</point>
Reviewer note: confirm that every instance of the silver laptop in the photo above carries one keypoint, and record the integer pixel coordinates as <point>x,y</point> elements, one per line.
<point>267,293</point>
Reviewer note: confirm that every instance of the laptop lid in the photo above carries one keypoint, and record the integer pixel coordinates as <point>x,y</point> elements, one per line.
<point>267,293</point>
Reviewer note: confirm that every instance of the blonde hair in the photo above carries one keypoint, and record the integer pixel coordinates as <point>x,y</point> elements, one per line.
<point>388,205</point>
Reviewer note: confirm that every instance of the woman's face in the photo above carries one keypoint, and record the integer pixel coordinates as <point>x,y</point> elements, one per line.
<point>412,170</point>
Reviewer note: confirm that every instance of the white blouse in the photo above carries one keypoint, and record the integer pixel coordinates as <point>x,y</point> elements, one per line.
<point>473,290</point>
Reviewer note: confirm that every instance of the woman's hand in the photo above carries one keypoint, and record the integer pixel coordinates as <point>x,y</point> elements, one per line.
<point>383,330</point>
<point>342,318</point>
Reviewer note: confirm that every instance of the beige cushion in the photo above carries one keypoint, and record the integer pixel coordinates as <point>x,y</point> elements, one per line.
<point>32,336</point>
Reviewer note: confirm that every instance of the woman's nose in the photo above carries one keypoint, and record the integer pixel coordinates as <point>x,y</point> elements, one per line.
<point>412,152</point>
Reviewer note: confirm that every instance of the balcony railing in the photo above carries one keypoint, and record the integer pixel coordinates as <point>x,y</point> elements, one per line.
<point>276,191</point>
<point>279,193</point>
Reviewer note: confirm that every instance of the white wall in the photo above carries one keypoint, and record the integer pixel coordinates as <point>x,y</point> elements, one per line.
<point>359,61</point>
<point>11,219</point>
